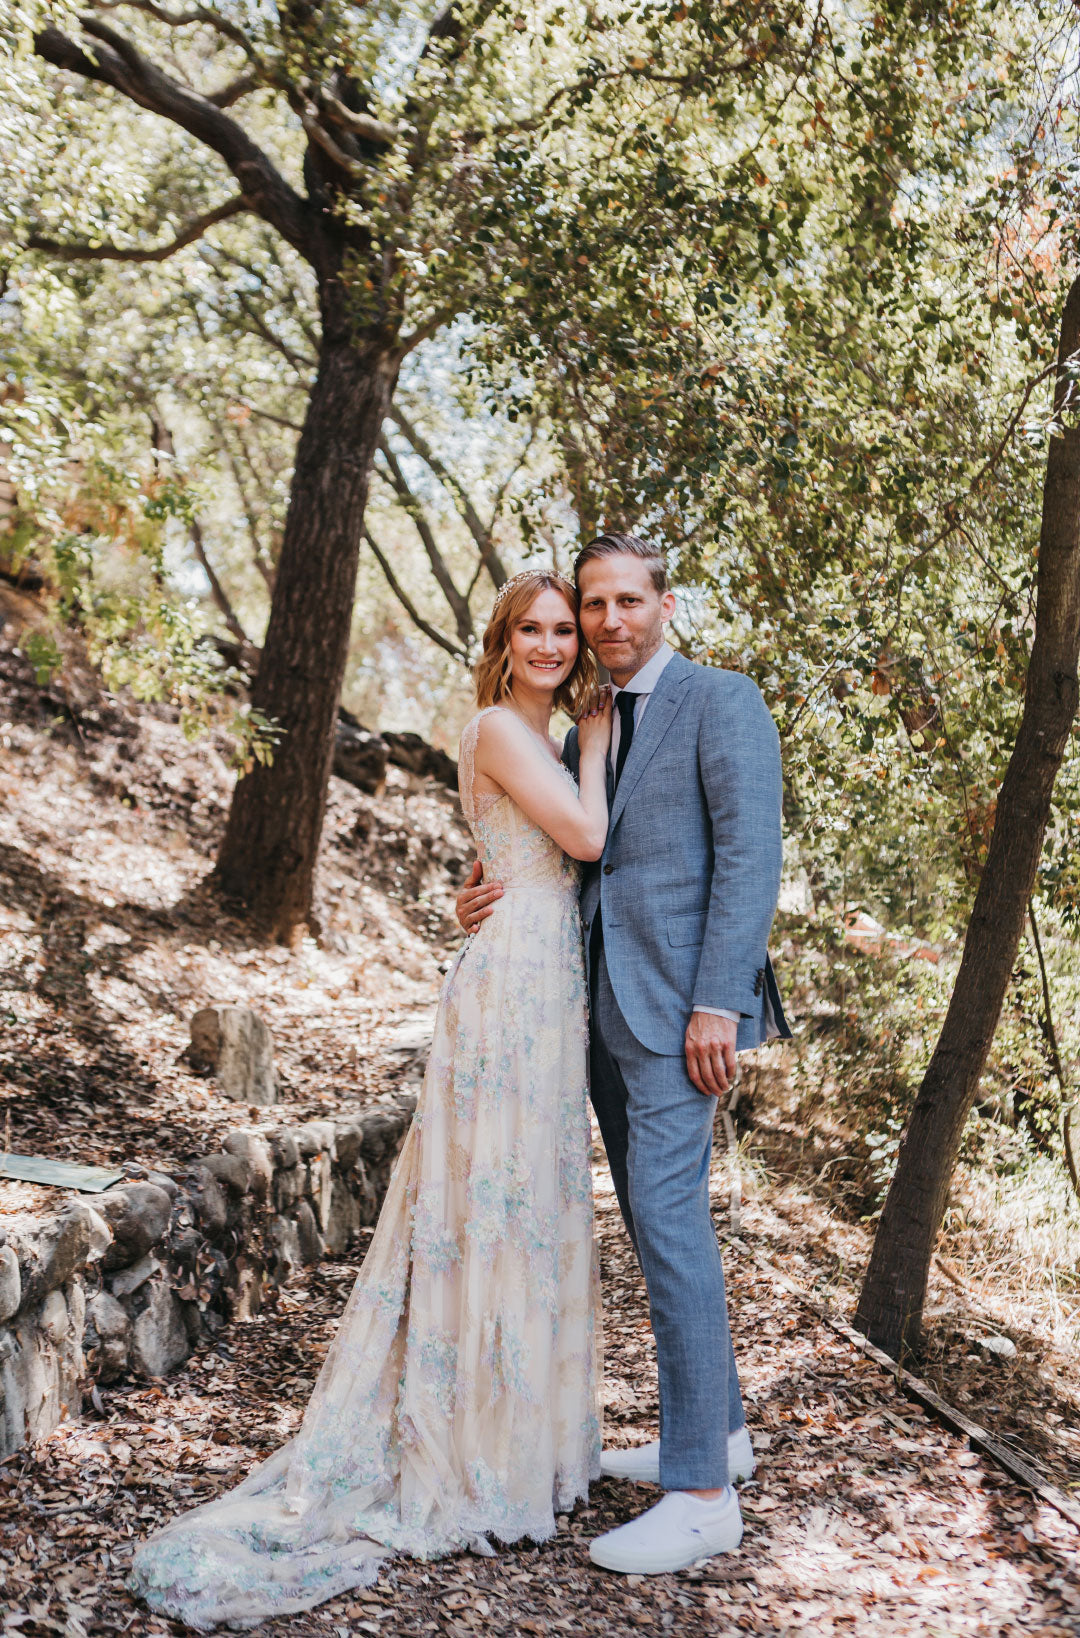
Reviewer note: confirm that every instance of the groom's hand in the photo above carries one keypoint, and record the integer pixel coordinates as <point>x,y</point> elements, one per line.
<point>710,1052</point>
<point>477,898</point>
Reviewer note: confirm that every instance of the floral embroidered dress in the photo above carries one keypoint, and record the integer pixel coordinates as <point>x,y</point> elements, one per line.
<point>458,1400</point>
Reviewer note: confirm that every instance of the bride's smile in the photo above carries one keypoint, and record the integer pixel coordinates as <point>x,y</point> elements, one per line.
<point>543,646</point>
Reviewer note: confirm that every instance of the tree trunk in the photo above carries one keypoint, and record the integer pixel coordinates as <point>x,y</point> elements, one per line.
<point>267,859</point>
<point>891,1304</point>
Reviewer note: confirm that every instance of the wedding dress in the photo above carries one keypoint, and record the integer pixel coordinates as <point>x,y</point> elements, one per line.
<point>458,1401</point>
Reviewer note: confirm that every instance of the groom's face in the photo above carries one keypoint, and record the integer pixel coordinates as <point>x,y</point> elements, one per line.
<point>622,614</point>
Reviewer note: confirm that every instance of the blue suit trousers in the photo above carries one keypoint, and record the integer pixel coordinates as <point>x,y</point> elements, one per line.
<point>657,1129</point>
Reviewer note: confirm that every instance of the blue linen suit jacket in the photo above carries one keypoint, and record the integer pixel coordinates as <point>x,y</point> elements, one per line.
<point>690,872</point>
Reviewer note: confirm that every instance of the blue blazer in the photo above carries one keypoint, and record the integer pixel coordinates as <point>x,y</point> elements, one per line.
<point>690,872</point>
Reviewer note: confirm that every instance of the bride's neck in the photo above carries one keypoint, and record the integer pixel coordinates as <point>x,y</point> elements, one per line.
<point>533,708</point>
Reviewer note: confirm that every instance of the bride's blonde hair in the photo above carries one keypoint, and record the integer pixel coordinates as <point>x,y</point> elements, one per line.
<point>491,673</point>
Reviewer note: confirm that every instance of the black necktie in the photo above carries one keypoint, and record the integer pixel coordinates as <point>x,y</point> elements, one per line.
<point>626,704</point>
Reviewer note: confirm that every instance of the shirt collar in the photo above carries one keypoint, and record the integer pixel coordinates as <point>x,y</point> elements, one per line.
<point>645,680</point>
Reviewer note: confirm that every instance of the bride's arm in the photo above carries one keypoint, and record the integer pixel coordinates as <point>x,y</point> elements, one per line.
<point>509,755</point>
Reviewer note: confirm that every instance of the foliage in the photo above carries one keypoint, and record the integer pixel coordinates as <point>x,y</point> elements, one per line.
<point>777,284</point>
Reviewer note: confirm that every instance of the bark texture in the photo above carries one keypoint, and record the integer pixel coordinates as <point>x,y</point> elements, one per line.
<point>891,1305</point>
<point>267,860</point>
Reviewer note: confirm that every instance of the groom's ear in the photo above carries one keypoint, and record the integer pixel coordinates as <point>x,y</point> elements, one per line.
<point>667,606</point>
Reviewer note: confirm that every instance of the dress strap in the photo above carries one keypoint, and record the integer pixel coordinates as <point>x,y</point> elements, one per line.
<point>467,761</point>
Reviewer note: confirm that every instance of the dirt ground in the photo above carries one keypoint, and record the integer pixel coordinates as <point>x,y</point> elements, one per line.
<point>863,1516</point>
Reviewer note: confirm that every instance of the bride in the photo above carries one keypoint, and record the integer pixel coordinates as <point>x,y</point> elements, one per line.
<point>458,1401</point>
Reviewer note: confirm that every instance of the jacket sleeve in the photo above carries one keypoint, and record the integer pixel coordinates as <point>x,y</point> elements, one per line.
<point>739,765</point>
<point>570,753</point>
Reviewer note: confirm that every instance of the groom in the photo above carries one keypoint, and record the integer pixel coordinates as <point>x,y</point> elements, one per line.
<point>676,915</point>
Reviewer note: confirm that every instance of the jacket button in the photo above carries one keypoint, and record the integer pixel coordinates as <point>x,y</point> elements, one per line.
<point>608,868</point>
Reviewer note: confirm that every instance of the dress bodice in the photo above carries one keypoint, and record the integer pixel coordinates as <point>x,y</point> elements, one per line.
<point>512,848</point>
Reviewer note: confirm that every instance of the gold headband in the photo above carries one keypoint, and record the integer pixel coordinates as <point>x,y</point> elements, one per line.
<point>516,580</point>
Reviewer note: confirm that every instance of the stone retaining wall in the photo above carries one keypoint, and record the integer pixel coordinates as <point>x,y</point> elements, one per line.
<point>130,1280</point>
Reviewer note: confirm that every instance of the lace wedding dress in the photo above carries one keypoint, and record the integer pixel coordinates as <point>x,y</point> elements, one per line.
<point>458,1401</point>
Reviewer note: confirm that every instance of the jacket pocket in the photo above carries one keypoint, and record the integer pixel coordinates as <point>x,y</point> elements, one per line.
<point>686,929</point>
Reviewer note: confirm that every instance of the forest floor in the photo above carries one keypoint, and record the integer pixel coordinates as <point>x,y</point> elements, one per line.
<point>864,1516</point>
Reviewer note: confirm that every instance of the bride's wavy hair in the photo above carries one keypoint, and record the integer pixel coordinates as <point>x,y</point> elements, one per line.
<point>491,674</point>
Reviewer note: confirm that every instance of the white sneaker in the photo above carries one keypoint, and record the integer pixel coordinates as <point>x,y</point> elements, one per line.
<point>641,1463</point>
<point>674,1534</point>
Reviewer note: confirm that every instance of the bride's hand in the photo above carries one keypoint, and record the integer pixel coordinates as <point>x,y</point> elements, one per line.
<point>594,727</point>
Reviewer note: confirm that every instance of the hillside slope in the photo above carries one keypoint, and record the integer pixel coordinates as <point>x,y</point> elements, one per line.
<point>110,937</point>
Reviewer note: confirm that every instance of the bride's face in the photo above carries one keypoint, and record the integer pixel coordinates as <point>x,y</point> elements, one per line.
<point>544,643</point>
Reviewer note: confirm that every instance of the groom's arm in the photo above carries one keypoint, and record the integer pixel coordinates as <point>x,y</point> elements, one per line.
<point>570,754</point>
<point>739,761</point>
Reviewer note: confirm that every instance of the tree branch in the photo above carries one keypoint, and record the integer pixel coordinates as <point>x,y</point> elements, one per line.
<point>74,251</point>
<point>233,91</point>
<point>164,445</point>
<point>208,15</point>
<point>117,63</point>
<point>455,25</point>
<point>431,327</point>
<point>276,420</point>
<point>299,361</point>
<point>361,125</point>
<point>459,606</point>
<point>309,119</point>
<point>481,536</point>
<point>410,608</point>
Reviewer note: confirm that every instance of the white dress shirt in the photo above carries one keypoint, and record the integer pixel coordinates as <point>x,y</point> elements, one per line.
<point>642,684</point>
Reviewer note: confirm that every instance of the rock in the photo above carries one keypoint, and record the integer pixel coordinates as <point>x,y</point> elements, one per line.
<point>130,1279</point>
<point>232,1170</point>
<point>101,1236</point>
<point>138,1215</point>
<point>53,1318</point>
<point>343,1220</point>
<point>286,1248</point>
<point>10,1283</point>
<point>254,1150</point>
<point>75,1297</point>
<point>307,1234</point>
<point>320,1173</point>
<point>191,1315</point>
<point>283,1148</point>
<point>108,1318</point>
<point>163,1181</point>
<point>159,1340</point>
<point>56,1250</point>
<point>382,1135</point>
<point>414,754</point>
<point>236,1045</point>
<point>287,1187</point>
<point>208,1199</point>
<point>38,1383</point>
<point>999,1347</point>
<point>348,1141</point>
<point>315,1136</point>
<point>360,757</point>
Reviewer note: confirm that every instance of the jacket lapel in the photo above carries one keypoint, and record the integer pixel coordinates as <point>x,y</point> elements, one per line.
<point>664,703</point>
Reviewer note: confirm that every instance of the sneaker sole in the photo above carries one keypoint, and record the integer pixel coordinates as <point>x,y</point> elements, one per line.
<point>660,1564</point>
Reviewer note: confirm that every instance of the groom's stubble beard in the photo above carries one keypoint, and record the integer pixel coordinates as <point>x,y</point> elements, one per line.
<point>634,655</point>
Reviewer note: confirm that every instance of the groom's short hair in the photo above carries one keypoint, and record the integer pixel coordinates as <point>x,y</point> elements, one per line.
<point>624,546</point>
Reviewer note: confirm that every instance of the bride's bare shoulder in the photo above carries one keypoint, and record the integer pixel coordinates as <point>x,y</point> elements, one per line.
<point>501,730</point>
